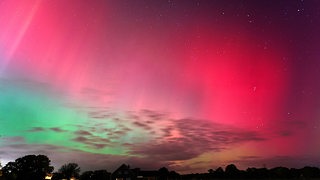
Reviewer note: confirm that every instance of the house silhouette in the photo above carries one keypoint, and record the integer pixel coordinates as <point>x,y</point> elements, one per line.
<point>124,172</point>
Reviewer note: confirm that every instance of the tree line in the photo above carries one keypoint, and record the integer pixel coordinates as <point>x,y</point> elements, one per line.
<point>232,172</point>
<point>37,167</point>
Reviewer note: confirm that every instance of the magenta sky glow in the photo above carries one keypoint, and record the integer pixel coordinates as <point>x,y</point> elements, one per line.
<point>191,85</point>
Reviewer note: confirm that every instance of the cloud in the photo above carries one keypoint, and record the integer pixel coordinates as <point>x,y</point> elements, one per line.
<point>12,140</point>
<point>94,142</point>
<point>186,139</point>
<point>142,125</point>
<point>285,133</point>
<point>250,157</point>
<point>10,152</point>
<point>154,115</point>
<point>87,161</point>
<point>80,139</point>
<point>83,133</point>
<point>165,139</point>
<point>36,129</point>
<point>149,139</point>
<point>57,129</point>
<point>98,138</point>
<point>41,129</point>
<point>60,155</point>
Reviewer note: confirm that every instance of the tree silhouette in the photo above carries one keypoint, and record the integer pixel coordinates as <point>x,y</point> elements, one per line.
<point>0,169</point>
<point>30,167</point>
<point>210,171</point>
<point>219,172</point>
<point>10,170</point>
<point>310,172</point>
<point>280,172</point>
<point>87,175</point>
<point>163,173</point>
<point>70,170</point>
<point>257,173</point>
<point>173,175</point>
<point>232,171</point>
<point>57,176</point>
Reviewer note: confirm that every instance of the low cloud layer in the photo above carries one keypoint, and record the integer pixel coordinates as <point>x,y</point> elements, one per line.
<point>152,139</point>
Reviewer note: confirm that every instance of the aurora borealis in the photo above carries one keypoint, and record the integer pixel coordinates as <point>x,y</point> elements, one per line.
<point>187,84</point>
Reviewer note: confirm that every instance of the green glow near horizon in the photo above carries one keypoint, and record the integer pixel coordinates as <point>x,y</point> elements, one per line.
<point>23,109</point>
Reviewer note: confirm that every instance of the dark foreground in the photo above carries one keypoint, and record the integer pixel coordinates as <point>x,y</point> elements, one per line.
<point>37,167</point>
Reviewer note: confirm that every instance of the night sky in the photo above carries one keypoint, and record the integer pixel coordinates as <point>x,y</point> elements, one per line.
<point>186,84</point>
